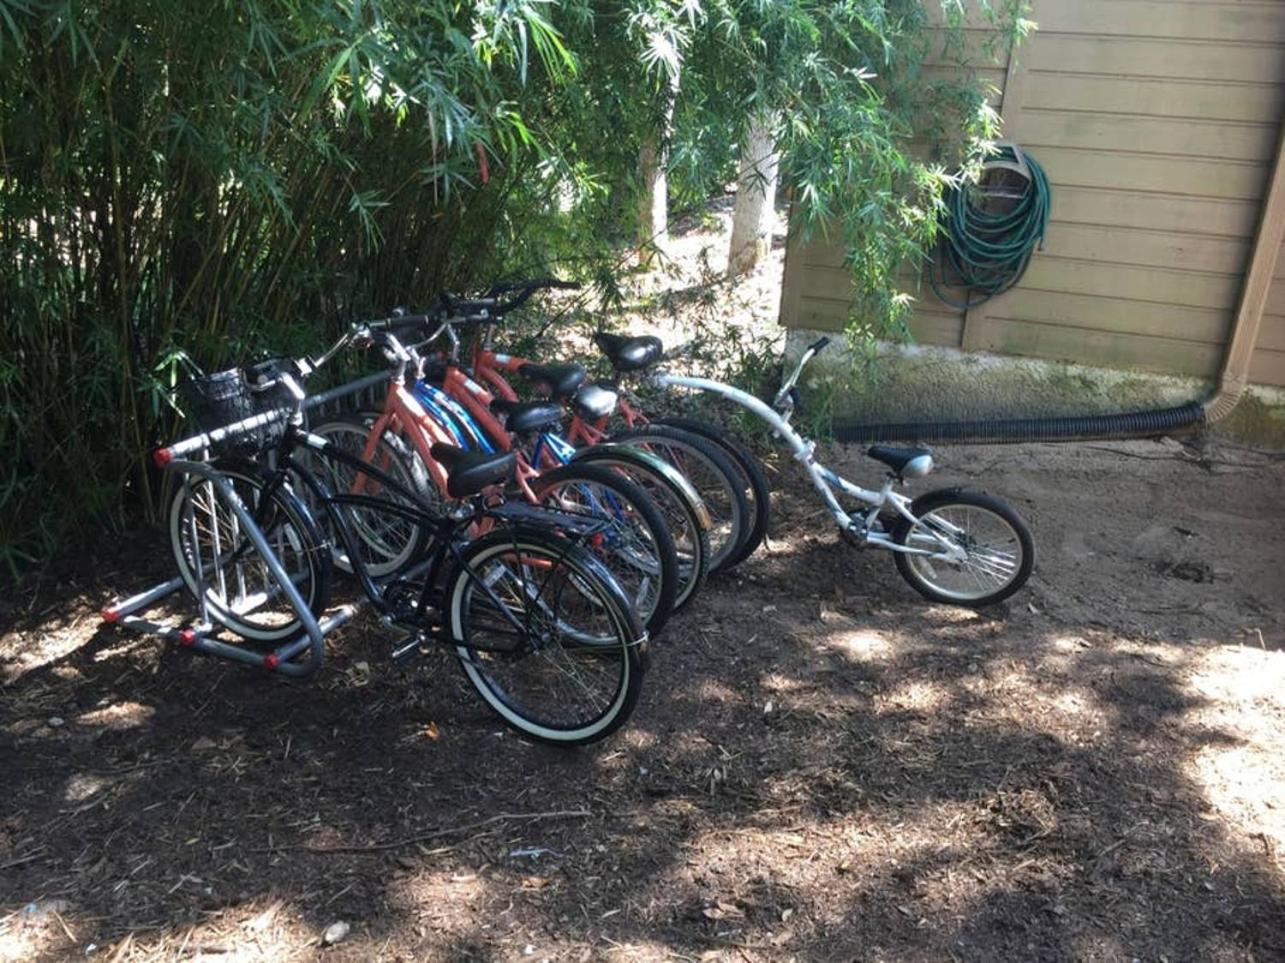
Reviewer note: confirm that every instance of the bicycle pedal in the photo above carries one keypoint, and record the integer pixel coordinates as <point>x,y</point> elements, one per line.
<point>855,534</point>
<point>407,649</point>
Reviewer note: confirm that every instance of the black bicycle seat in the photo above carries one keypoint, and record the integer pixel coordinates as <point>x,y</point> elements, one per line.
<point>522,416</point>
<point>468,472</point>
<point>630,354</point>
<point>559,380</point>
<point>902,460</point>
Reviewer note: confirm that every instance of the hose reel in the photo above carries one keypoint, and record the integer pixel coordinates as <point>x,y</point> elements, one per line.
<point>990,228</point>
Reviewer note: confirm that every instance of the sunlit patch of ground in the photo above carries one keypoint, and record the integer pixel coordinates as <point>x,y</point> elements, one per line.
<point>1244,692</point>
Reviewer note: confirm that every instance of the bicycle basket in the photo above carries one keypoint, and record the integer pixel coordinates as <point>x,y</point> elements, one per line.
<point>222,398</point>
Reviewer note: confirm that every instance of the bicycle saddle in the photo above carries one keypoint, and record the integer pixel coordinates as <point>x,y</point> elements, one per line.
<point>468,472</point>
<point>594,401</point>
<point>630,354</point>
<point>523,416</point>
<point>559,380</point>
<point>905,462</point>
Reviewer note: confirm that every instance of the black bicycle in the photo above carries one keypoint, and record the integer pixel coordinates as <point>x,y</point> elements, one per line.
<point>540,627</point>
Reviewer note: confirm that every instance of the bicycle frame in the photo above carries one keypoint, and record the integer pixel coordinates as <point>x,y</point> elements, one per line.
<point>823,479</point>
<point>489,366</point>
<point>445,529</point>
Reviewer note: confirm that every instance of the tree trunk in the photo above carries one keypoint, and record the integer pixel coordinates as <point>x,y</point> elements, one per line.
<point>755,212</point>
<point>653,203</point>
<point>653,158</point>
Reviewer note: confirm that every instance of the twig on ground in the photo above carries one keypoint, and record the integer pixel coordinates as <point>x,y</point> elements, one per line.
<point>424,837</point>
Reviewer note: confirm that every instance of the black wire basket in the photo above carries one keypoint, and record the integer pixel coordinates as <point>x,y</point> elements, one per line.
<point>225,397</point>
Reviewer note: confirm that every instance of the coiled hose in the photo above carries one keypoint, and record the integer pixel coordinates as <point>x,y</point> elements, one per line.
<point>985,247</point>
<point>986,251</point>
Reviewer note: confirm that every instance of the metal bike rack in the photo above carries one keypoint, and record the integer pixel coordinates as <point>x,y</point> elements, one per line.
<point>199,635</point>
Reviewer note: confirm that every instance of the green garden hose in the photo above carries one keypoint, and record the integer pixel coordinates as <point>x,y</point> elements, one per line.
<point>988,234</point>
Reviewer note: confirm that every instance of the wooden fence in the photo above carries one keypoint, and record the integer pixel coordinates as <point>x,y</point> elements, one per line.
<point>1158,122</point>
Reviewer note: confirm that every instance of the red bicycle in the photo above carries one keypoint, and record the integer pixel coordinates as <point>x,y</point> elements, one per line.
<point>728,477</point>
<point>636,544</point>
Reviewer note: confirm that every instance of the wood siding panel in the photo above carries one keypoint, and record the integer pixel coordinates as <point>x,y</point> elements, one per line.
<point>1256,103</point>
<point>1267,368</point>
<point>1107,348</point>
<point>1091,312</point>
<point>1254,22</point>
<point>1174,213</point>
<point>1148,135</point>
<point>1157,122</point>
<point>1148,57</point>
<point>1192,176</point>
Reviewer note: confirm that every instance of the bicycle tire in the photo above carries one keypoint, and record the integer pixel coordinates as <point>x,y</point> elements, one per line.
<point>285,519</point>
<point>620,552</point>
<point>682,517</point>
<point>919,572</point>
<point>722,494</point>
<point>757,490</point>
<point>493,558</point>
<point>393,544</point>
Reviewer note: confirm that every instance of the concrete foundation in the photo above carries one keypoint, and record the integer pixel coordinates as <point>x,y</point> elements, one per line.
<point>921,383</point>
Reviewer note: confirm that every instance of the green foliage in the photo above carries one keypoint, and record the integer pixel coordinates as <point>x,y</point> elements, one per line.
<point>226,179</point>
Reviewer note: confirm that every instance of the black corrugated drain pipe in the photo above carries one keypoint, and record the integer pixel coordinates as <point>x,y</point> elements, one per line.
<point>993,431</point>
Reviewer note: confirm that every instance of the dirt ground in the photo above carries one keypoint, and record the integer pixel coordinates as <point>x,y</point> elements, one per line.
<point>823,766</point>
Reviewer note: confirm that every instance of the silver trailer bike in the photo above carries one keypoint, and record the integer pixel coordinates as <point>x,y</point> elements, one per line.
<point>953,545</point>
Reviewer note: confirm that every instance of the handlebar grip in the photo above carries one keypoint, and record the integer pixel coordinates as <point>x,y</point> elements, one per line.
<point>819,345</point>
<point>401,321</point>
<point>470,306</point>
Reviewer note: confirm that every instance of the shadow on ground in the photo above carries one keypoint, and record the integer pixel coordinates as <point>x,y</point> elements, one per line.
<point>823,767</point>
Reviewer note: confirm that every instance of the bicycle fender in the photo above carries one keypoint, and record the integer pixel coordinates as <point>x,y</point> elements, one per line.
<point>646,460</point>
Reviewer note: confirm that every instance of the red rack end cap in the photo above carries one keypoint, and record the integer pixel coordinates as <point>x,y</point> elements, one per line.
<point>271,661</point>
<point>162,457</point>
<point>110,615</point>
<point>187,637</point>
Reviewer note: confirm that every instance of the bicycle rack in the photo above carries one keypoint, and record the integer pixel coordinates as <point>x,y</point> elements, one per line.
<point>198,636</point>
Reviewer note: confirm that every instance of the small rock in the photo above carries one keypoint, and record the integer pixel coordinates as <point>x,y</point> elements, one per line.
<point>528,950</point>
<point>204,744</point>
<point>334,933</point>
<point>46,907</point>
<point>56,721</point>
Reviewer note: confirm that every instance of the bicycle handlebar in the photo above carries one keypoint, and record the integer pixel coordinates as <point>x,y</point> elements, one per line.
<point>267,374</point>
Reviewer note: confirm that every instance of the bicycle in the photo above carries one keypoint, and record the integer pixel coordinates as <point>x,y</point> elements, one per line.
<point>539,626</point>
<point>635,544</point>
<point>725,475</point>
<point>951,545</point>
<point>475,418</point>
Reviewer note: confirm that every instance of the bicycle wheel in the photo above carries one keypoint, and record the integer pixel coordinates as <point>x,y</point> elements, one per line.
<point>637,547</point>
<point>757,490</point>
<point>546,636</point>
<point>999,552</point>
<point>240,591</point>
<point>679,505</point>
<point>389,543</point>
<point>712,475</point>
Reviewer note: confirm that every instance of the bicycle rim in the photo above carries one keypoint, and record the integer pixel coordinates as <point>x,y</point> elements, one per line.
<point>567,674</point>
<point>241,593</point>
<point>992,545</point>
